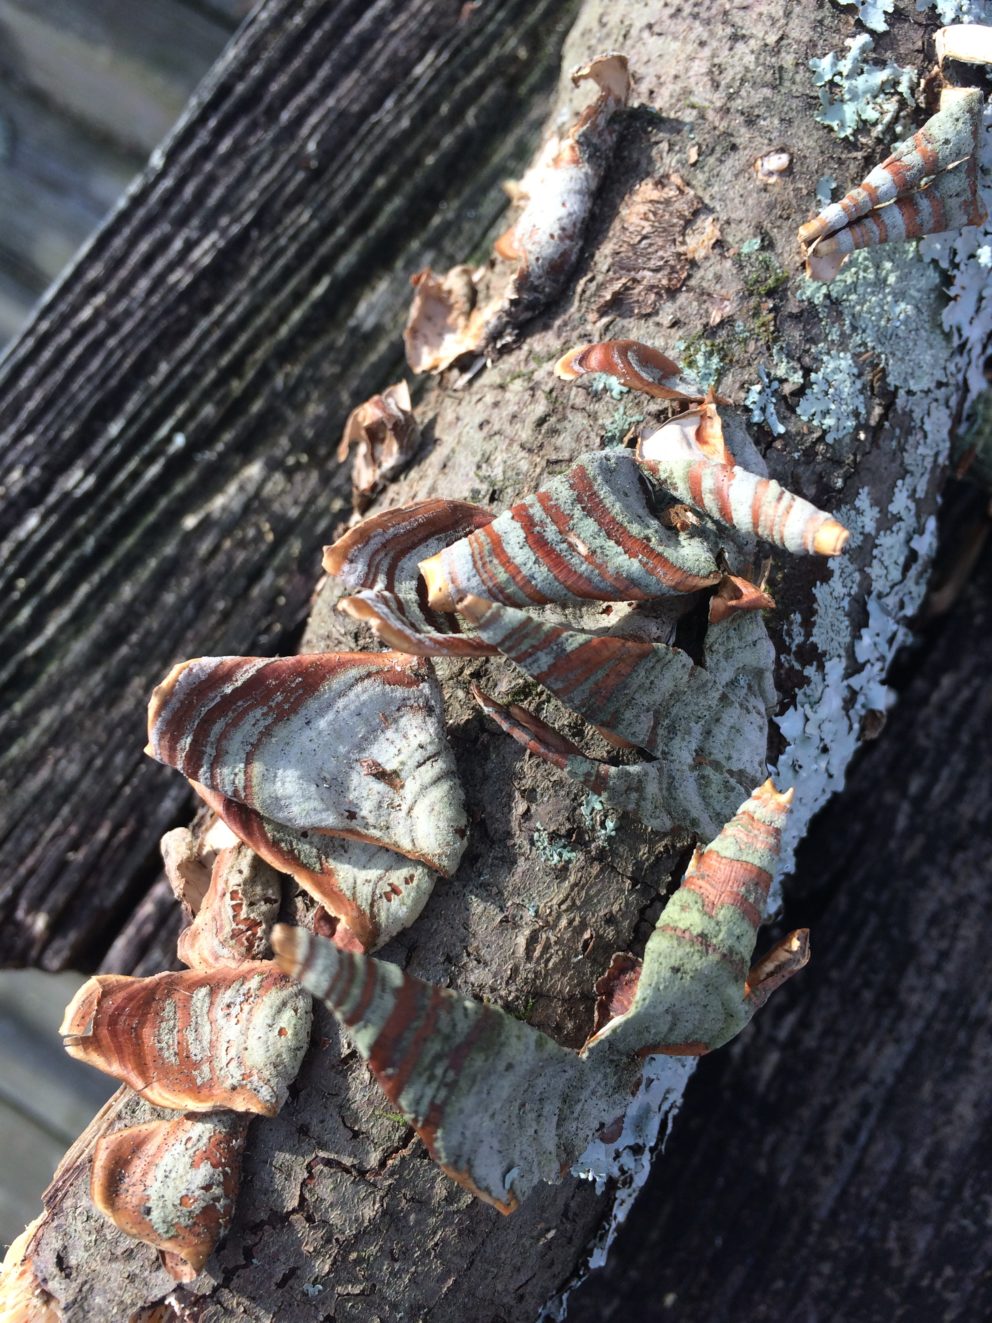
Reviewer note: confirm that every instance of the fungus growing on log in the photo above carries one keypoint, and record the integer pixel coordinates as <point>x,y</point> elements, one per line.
<point>195,1040</point>
<point>172,1183</point>
<point>235,915</point>
<point>329,766</point>
<point>377,560</point>
<point>637,366</point>
<point>928,184</point>
<point>448,319</point>
<point>385,436</point>
<point>501,1106</point>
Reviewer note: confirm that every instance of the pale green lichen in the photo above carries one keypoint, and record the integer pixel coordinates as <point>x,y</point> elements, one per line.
<point>836,399</point>
<point>894,305</point>
<point>967,314</point>
<point>825,186</point>
<point>553,849</point>
<point>701,359</point>
<point>761,400</point>
<point>619,426</point>
<point>872,12</point>
<point>854,91</point>
<point>604,383</point>
<point>888,301</point>
<point>958,11</point>
<point>596,816</point>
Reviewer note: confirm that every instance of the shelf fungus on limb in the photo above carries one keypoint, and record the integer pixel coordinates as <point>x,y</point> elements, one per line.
<point>213,1045</point>
<point>680,455</point>
<point>695,988</point>
<point>235,915</point>
<point>967,43</point>
<point>172,1184</point>
<point>194,1040</point>
<point>448,318</point>
<point>591,534</point>
<point>333,767</point>
<point>377,560</point>
<point>603,531</point>
<point>635,365</point>
<point>705,726</point>
<point>927,185</point>
<point>502,1107</point>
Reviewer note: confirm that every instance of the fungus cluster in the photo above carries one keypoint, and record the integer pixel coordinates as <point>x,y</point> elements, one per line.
<point>211,1046</point>
<point>927,185</point>
<point>335,768</point>
<point>467,312</point>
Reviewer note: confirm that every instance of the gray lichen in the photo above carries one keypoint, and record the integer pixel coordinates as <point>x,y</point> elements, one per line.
<point>760,399</point>
<point>856,91</point>
<point>872,12</point>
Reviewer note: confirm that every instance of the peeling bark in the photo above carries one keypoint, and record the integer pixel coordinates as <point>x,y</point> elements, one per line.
<point>342,1215</point>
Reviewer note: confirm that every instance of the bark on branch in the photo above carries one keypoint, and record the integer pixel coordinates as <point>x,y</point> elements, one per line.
<point>342,1214</point>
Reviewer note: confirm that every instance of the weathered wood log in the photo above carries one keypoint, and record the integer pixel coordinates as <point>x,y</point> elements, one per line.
<point>833,1163</point>
<point>343,1214</point>
<point>86,92</point>
<point>169,420</point>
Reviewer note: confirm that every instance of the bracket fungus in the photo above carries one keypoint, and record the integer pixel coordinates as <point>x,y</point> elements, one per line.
<point>705,726</point>
<point>558,191</point>
<point>330,766</point>
<point>172,1183</point>
<point>449,317</point>
<point>635,365</point>
<point>501,1106</point>
<point>378,559</point>
<point>235,915</point>
<point>195,1040</point>
<point>591,534</point>
<point>617,526</point>
<point>385,436</point>
<point>927,185</point>
<point>968,43</point>
<point>213,1044</point>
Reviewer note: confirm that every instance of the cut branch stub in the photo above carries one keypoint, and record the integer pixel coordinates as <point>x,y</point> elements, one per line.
<point>558,192</point>
<point>589,535</point>
<point>194,1041</point>
<point>694,989</point>
<point>172,1184</point>
<point>500,1105</point>
<point>378,561</point>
